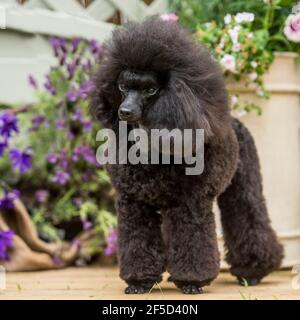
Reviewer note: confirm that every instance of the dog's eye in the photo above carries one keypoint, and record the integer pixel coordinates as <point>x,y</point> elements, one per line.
<point>151,91</point>
<point>122,87</point>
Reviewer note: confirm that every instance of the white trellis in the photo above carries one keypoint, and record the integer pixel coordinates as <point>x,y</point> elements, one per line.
<point>24,30</point>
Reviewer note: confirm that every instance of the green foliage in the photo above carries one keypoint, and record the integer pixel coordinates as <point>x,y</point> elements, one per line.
<point>65,182</point>
<point>249,45</point>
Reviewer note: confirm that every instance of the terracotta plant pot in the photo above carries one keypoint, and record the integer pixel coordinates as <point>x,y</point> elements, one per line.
<point>277,136</point>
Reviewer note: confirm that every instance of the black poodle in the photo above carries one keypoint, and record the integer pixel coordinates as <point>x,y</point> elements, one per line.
<point>154,75</point>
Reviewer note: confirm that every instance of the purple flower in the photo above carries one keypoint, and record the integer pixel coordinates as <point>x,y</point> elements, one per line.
<point>75,44</point>
<point>87,175</point>
<point>36,122</point>
<point>111,243</point>
<point>86,224</point>
<point>32,82</point>
<point>20,159</point>
<point>60,124</point>
<point>7,202</point>
<point>78,201</point>
<point>77,115</point>
<point>82,92</point>
<point>86,88</point>
<point>61,177</point>
<point>8,125</point>
<point>41,196</point>
<point>95,46</point>
<point>58,44</point>
<point>49,86</point>
<point>86,153</point>
<point>63,160</point>
<point>71,67</point>
<point>72,95</point>
<point>87,125</point>
<point>52,158</point>
<point>3,146</point>
<point>62,59</point>
<point>6,241</point>
<point>88,65</point>
<point>70,135</point>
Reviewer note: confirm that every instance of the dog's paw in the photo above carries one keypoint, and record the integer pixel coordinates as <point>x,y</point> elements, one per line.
<point>245,282</point>
<point>134,289</point>
<point>191,289</point>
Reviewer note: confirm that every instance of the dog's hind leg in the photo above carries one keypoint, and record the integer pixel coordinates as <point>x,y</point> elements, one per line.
<point>252,247</point>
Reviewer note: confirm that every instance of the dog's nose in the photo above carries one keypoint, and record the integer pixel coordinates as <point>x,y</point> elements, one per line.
<point>127,114</point>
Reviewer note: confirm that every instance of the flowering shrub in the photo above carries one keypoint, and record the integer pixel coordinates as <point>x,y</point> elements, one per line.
<point>241,53</point>
<point>47,152</point>
<point>246,52</point>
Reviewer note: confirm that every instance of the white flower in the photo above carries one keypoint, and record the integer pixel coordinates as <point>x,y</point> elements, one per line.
<point>292,27</point>
<point>237,28</point>
<point>234,100</point>
<point>244,17</point>
<point>222,44</point>
<point>260,92</point>
<point>239,113</point>
<point>253,76</point>
<point>254,64</point>
<point>236,47</point>
<point>234,35</point>
<point>296,8</point>
<point>228,62</point>
<point>227,19</point>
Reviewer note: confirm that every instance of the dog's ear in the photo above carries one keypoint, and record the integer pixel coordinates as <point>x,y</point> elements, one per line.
<point>180,106</point>
<point>105,97</point>
<point>191,107</point>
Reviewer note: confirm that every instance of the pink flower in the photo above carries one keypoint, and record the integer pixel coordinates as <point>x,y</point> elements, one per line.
<point>292,27</point>
<point>236,47</point>
<point>228,62</point>
<point>234,35</point>
<point>172,17</point>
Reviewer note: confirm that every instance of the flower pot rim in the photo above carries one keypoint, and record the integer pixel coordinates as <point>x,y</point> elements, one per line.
<point>286,54</point>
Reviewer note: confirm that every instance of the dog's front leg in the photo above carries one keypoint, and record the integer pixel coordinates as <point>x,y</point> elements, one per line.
<point>192,251</point>
<point>141,249</point>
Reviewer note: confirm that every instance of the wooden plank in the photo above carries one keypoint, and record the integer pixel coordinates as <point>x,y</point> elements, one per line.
<point>158,6</point>
<point>132,9</point>
<point>33,4</point>
<point>60,24</point>
<point>71,7</point>
<point>101,10</point>
<point>99,282</point>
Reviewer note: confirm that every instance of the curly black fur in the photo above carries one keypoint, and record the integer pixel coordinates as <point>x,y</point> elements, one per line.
<point>194,96</point>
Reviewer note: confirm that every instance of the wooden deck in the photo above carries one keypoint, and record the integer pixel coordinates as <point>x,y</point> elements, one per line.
<point>103,283</point>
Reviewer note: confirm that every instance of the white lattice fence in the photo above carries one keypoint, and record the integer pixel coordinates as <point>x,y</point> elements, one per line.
<point>25,28</point>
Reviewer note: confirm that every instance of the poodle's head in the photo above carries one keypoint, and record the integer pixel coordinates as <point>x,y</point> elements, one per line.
<point>156,75</point>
